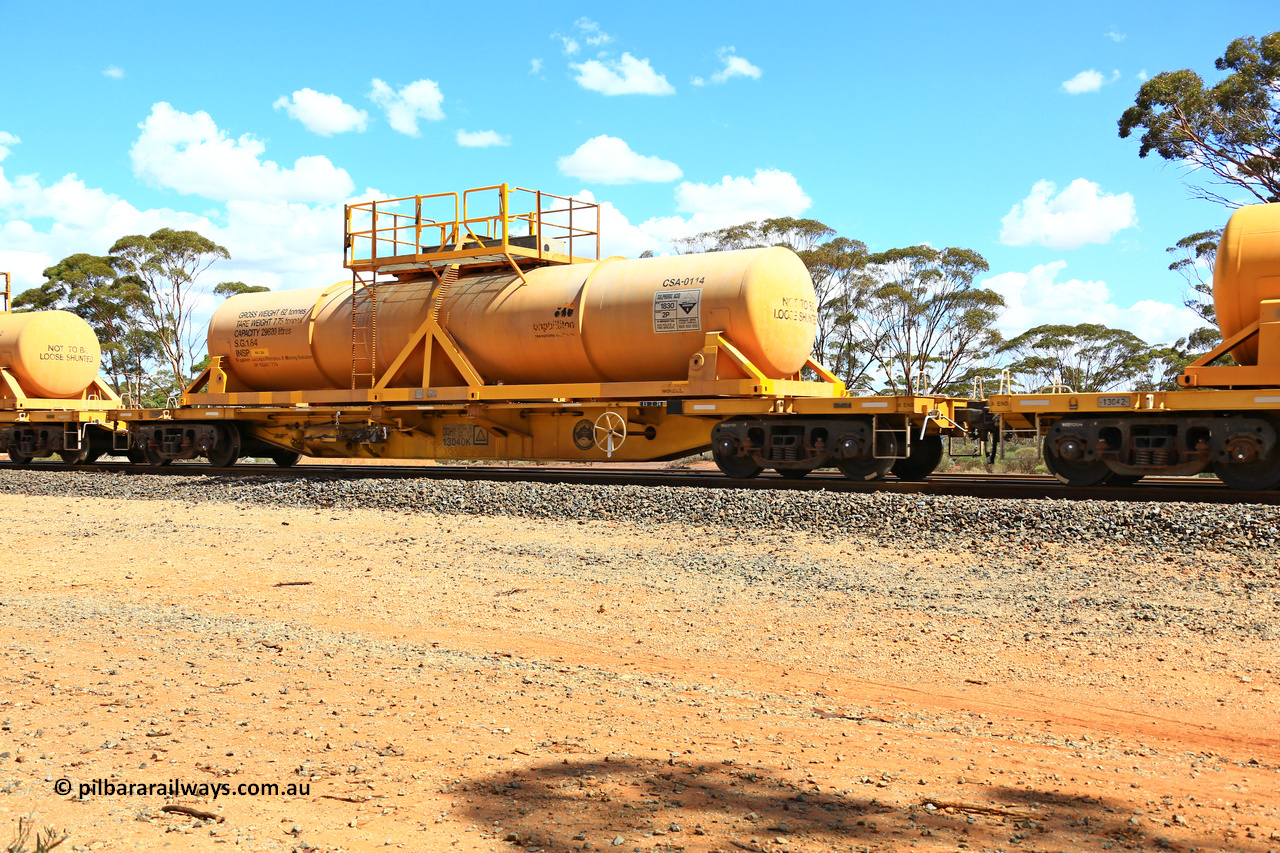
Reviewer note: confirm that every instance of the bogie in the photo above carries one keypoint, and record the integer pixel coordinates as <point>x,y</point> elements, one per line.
<point>858,446</point>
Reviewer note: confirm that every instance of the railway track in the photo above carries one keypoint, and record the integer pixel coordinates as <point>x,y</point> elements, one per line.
<point>1007,486</point>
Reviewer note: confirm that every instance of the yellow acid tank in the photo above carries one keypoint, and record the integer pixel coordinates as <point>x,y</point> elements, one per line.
<point>52,354</point>
<point>1246,272</point>
<point>611,321</point>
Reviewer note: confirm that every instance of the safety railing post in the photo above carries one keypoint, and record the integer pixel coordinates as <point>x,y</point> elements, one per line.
<point>537,230</point>
<point>417,218</point>
<point>503,209</point>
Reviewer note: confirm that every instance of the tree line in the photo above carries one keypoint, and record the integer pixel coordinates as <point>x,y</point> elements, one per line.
<point>915,319</point>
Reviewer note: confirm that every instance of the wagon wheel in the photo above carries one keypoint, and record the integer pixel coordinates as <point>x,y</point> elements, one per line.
<point>285,458</point>
<point>153,457</point>
<point>1246,468</point>
<point>865,468</point>
<point>75,457</point>
<point>227,450</point>
<point>792,473</point>
<point>922,459</point>
<point>1078,474</point>
<point>610,432</point>
<point>19,458</point>
<point>1253,476</point>
<point>137,456</point>
<point>736,467</point>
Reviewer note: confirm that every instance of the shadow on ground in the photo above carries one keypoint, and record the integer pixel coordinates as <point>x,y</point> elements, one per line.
<point>649,804</point>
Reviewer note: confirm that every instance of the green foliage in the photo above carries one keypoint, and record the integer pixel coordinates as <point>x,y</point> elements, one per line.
<point>234,288</point>
<point>797,234</point>
<point>1090,358</point>
<point>913,315</point>
<point>167,266</point>
<point>139,300</point>
<point>918,317</point>
<point>1195,255</point>
<point>90,287</point>
<point>1231,129</point>
<point>837,268</point>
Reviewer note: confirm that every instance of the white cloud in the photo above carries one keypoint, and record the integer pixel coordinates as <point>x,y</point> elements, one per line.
<point>732,201</point>
<point>568,45</point>
<point>535,66</point>
<point>698,81</point>
<point>481,138</point>
<point>734,66</point>
<point>609,160</point>
<point>279,244</point>
<point>1142,75</point>
<point>770,193</point>
<point>618,236</point>
<point>626,76</point>
<point>7,139</point>
<point>420,99</point>
<point>1037,298</point>
<point>1085,81</point>
<point>321,113</point>
<point>1080,214</point>
<point>187,152</point>
<point>591,32</point>
<point>1115,36</point>
<point>115,72</point>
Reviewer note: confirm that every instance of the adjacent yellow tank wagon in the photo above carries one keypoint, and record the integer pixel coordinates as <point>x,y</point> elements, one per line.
<point>1224,420</point>
<point>485,325</point>
<point>51,396</point>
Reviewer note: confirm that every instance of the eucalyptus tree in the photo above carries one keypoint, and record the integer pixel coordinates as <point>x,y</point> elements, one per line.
<point>921,322</point>
<point>90,287</point>
<point>1088,357</point>
<point>167,266</point>
<point>1229,130</point>
<point>233,288</point>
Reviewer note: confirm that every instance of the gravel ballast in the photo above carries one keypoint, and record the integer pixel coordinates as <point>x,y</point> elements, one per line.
<point>883,518</point>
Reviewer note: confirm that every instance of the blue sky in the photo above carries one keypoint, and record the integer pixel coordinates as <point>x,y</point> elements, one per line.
<point>991,127</point>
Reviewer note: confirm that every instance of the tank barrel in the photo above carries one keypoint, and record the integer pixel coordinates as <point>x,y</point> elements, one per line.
<point>615,320</point>
<point>1245,275</point>
<point>52,354</point>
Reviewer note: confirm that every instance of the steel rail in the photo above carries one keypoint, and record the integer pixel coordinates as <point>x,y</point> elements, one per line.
<point>978,485</point>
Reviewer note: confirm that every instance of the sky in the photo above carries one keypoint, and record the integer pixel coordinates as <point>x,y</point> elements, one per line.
<point>985,126</point>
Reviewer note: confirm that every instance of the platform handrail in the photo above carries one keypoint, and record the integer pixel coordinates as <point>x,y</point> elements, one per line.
<point>377,234</point>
